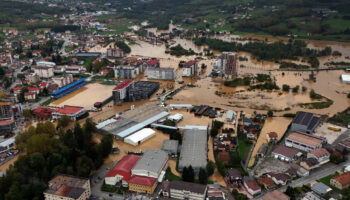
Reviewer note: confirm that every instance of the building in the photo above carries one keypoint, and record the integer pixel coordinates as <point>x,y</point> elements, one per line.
<point>194,148</point>
<point>272,137</point>
<point>148,171</point>
<point>284,153</point>
<point>125,72</point>
<point>88,54</point>
<point>184,190</point>
<point>303,141</point>
<point>305,122</point>
<point>30,96</point>
<point>180,106</point>
<point>7,144</point>
<point>7,125</point>
<point>154,63</point>
<point>268,183</point>
<point>140,136</point>
<point>320,188</point>
<point>311,196</point>
<point>279,178</point>
<point>132,120</point>
<point>75,69</point>
<point>345,78</point>
<point>230,115</point>
<point>171,147</point>
<point>74,112</point>
<point>62,81</point>
<point>343,144</point>
<point>44,71</point>
<point>151,164</point>
<point>43,112</point>
<point>121,171</point>
<point>68,188</point>
<point>115,53</point>
<point>321,154</point>
<point>190,68</point>
<point>309,164</point>
<point>342,181</point>
<point>251,186</point>
<point>6,110</point>
<point>176,117</point>
<point>226,65</point>
<point>275,195</point>
<point>160,73</point>
<point>121,92</point>
<point>233,177</point>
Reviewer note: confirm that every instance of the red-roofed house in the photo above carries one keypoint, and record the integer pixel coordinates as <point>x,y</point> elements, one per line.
<point>29,96</point>
<point>17,90</point>
<point>272,137</point>
<point>189,68</point>
<point>342,181</point>
<point>34,90</point>
<point>43,85</point>
<point>74,112</point>
<point>121,171</point>
<point>321,154</point>
<point>43,112</point>
<point>153,63</point>
<point>142,184</point>
<point>252,186</point>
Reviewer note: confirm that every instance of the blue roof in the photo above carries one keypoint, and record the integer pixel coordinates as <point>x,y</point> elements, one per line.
<point>68,86</point>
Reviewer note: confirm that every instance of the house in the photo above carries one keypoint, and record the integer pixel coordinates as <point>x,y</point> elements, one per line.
<point>185,190</point>
<point>320,188</point>
<point>268,183</point>
<point>343,144</point>
<point>233,177</point>
<point>284,153</point>
<point>272,137</point>
<point>44,71</point>
<point>251,186</point>
<point>279,178</point>
<point>310,163</point>
<point>311,196</point>
<point>68,188</point>
<point>341,181</point>
<point>230,115</point>
<point>321,154</point>
<point>29,96</point>
<point>43,112</point>
<point>303,141</point>
<point>247,121</point>
<point>153,63</point>
<point>121,171</point>
<point>305,122</point>
<point>34,90</point>
<point>275,195</point>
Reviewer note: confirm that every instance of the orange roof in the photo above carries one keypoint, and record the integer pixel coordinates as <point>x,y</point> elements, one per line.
<point>343,179</point>
<point>305,139</point>
<point>272,135</point>
<point>66,110</point>
<point>320,152</point>
<point>5,103</point>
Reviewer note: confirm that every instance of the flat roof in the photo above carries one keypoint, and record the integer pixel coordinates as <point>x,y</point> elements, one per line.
<point>67,110</point>
<point>152,161</point>
<point>345,77</point>
<point>305,138</point>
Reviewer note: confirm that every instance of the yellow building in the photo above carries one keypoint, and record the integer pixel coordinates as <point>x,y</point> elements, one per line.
<point>142,184</point>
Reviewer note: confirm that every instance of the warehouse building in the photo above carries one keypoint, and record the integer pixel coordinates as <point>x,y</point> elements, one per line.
<point>171,147</point>
<point>160,73</point>
<point>140,136</point>
<point>303,141</point>
<point>121,171</point>
<point>128,91</point>
<point>305,122</point>
<point>180,106</point>
<point>132,121</point>
<point>88,54</point>
<point>194,148</point>
<point>345,78</point>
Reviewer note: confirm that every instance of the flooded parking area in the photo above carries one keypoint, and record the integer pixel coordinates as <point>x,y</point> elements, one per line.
<point>274,124</point>
<point>86,96</point>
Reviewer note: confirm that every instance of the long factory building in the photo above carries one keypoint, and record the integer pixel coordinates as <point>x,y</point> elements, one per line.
<point>132,121</point>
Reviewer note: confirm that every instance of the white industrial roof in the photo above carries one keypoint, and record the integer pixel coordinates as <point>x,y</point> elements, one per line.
<point>105,123</point>
<point>7,142</point>
<point>345,77</point>
<point>139,136</point>
<point>176,117</point>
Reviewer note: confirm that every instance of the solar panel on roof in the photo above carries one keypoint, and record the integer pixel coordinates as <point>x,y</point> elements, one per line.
<point>307,118</point>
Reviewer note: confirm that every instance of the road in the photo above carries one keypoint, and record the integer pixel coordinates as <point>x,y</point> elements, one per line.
<point>62,51</point>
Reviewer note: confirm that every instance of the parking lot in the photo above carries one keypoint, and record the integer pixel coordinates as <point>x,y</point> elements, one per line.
<point>331,135</point>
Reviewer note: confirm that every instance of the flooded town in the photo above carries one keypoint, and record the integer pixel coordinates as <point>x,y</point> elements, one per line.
<point>112,108</point>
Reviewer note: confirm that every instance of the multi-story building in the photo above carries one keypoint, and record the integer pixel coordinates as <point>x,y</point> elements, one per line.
<point>66,187</point>
<point>6,110</point>
<point>184,190</point>
<point>62,81</point>
<point>160,73</point>
<point>342,181</point>
<point>121,171</point>
<point>190,68</point>
<point>44,71</point>
<point>321,154</point>
<point>74,112</point>
<point>303,141</point>
<point>121,92</point>
<point>115,53</point>
<point>126,72</point>
<point>226,65</point>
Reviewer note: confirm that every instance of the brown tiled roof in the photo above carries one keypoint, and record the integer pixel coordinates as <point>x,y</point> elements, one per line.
<point>279,176</point>
<point>266,181</point>
<point>321,152</point>
<point>305,139</point>
<point>252,184</point>
<point>273,135</point>
<point>193,187</point>
<point>285,151</point>
<point>345,143</point>
<point>343,179</point>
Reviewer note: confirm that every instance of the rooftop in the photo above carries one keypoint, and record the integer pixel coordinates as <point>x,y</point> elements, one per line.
<point>306,119</point>
<point>305,139</point>
<point>123,167</point>
<point>285,151</point>
<point>343,179</point>
<point>151,161</point>
<point>170,145</point>
<point>67,186</point>
<point>320,152</point>
<point>142,180</point>
<point>68,110</point>
<point>6,122</point>
<point>275,195</point>
<point>123,84</point>
<point>187,186</point>
<point>189,63</point>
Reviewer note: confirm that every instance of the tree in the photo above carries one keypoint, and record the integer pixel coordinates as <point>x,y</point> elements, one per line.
<point>41,143</point>
<point>210,168</point>
<point>270,113</point>
<point>285,87</point>
<point>106,145</point>
<point>238,196</point>
<point>123,46</point>
<point>21,98</point>
<point>203,176</point>
<point>190,174</point>
<point>184,175</point>
<point>27,113</point>
<point>296,89</point>
<point>203,66</point>
<point>348,95</point>
<point>63,121</point>
<point>304,89</point>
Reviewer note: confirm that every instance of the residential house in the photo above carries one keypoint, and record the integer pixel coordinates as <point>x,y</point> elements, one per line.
<point>303,141</point>
<point>341,181</point>
<point>284,153</point>
<point>320,188</point>
<point>251,186</point>
<point>233,177</point>
<point>321,154</point>
<point>279,178</point>
<point>272,137</point>
<point>185,190</point>
<point>310,163</point>
<point>268,183</point>
<point>30,96</point>
<point>190,68</point>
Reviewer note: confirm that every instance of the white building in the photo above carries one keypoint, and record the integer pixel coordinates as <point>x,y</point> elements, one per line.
<point>175,118</point>
<point>345,78</point>
<point>62,81</point>
<point>44,71</point>
<point>140,136</point>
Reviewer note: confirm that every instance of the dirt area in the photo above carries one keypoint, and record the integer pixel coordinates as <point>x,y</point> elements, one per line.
<point>6,165</point>
<point>86,96</point>
<point>331,135</point>
<point>271,165</point>
<point>275,124</point>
